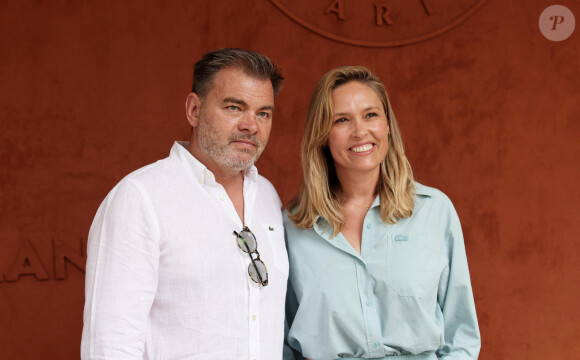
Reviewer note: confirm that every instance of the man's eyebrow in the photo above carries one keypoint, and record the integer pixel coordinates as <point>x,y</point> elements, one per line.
<point>267,107</point>
<point>235,101</point>
<point>243,103</point>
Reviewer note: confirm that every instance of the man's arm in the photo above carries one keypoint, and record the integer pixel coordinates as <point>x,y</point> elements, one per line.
<point>121,275</point>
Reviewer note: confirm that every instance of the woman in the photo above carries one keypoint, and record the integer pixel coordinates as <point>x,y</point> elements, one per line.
<point>377,261</point>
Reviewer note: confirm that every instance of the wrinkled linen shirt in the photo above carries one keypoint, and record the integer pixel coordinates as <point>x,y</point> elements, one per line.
<point>406,296</point>
<point>165,278</point>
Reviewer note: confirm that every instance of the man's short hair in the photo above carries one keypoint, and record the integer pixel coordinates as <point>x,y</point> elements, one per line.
<point>249,62</point>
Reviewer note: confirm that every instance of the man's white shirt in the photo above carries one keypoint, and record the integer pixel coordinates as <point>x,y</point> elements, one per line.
<point>165,278</point>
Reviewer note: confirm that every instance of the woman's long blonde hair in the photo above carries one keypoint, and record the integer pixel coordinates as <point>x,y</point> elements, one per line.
<point>319,193</point>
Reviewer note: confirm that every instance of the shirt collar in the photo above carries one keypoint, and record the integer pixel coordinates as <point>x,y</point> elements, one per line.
<point>199,170</point>
<point>419,190</point>
<point>422,190</point>
<point>251,173</point>
<point>321,226</point>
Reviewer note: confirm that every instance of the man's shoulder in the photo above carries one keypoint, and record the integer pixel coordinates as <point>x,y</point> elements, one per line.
<point>266,188</point>
<point>160,168</point>
<point>264,183</point>
<point>151,175</point>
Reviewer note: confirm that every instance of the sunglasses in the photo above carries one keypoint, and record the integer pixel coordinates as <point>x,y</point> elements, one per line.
<point>248,244</point>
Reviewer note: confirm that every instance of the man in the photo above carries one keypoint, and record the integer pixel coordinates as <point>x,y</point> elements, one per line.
<point>173,271</point>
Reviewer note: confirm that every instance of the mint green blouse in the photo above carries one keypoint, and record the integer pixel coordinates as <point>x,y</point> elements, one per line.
<point>408,294</point>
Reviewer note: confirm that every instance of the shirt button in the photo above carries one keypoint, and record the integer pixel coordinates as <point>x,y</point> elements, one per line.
<point>368,226</point>
<point>200,181</point>
<point>222,198</point>
<point>254,317</point>
<point>369,303</point>
<point>375,344</point>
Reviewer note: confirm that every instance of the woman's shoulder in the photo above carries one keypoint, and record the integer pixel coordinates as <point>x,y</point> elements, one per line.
<point>434,203</point>
<point>285,217</point>
<point>288,223</point>
<point>433,196</point>
<point>431,192</point>
<point>291,229</point>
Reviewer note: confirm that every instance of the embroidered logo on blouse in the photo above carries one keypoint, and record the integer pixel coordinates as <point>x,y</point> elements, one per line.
<point>270,228</point>
<point>401,237</point>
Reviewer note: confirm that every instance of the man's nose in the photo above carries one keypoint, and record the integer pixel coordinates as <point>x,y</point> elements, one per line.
<point>248,122</point>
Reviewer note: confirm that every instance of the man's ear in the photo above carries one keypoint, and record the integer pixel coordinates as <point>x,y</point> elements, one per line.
<point>192,109</point>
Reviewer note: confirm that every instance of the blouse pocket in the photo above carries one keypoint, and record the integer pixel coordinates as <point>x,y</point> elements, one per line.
<point>414,264</point>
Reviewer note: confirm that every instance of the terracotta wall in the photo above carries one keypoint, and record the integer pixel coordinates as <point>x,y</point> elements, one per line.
<point>91,90</point>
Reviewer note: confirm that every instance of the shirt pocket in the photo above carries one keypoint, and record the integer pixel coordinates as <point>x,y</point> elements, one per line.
<point>414,264</point>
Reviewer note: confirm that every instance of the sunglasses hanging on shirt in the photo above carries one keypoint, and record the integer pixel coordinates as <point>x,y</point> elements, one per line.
<point>248,244</point>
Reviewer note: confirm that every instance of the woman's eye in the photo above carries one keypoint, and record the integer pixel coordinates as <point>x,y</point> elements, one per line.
<point>372,114</point>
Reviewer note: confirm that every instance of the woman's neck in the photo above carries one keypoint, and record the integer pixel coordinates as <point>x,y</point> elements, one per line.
<point>358,188</point>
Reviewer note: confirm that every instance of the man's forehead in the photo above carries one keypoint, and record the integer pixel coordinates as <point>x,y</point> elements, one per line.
<point>234,83</point>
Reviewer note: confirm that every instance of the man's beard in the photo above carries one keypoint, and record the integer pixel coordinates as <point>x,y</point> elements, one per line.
<point>224,154</point>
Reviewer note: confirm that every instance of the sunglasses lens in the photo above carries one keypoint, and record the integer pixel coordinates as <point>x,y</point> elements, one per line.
<point>260,268</point>
<point>248,244</point>
<point>247,241</point>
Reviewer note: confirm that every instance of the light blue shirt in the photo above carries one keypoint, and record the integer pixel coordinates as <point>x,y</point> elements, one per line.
<point>407,294</point>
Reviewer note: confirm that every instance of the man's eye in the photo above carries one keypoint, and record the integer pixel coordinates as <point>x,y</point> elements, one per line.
<point>263,114</point>
<point>233,107</point>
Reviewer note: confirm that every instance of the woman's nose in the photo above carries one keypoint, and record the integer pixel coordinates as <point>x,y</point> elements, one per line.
<point>359,129</point>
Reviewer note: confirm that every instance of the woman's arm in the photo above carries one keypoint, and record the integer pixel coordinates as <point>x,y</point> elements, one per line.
<point>455,299</point>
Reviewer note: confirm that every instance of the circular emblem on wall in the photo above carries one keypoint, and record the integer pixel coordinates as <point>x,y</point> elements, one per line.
<point>378,23</point>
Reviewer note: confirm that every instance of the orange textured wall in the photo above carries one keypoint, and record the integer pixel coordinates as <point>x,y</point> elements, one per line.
<point>91,90</point>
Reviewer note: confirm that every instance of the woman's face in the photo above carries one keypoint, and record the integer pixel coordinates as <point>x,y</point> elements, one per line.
<point>359,137</point>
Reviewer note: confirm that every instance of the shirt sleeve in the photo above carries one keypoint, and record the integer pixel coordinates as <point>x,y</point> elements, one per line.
<point>289,352</point>
<point>455,299</point>
<point>121,275</point>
